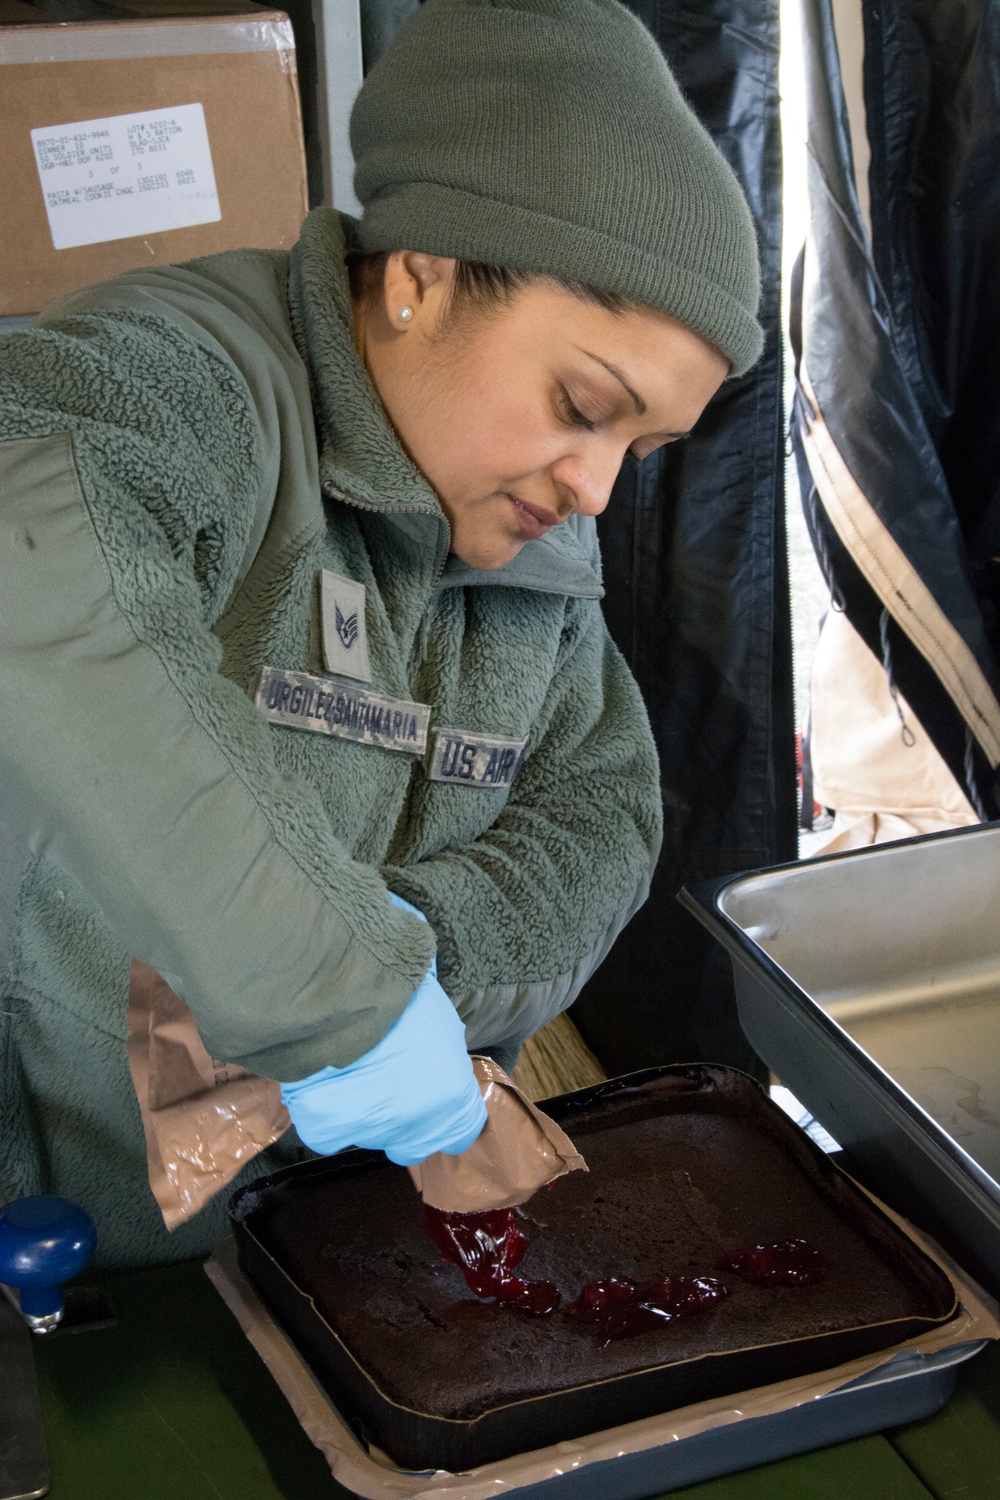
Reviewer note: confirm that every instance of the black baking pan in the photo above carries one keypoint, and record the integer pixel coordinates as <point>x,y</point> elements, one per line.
<point>687,1164</point>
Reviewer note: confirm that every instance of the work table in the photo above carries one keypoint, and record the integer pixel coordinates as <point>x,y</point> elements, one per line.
<point>171,1403</point>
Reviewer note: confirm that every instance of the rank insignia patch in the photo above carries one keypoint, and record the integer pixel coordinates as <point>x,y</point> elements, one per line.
<point>345,638</point>
<point>346,629</point>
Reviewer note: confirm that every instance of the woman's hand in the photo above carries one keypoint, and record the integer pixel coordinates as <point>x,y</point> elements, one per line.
<point>413,1094</point>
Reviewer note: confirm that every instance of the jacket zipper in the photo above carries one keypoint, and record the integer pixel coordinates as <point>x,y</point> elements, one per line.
<point>423,628</point>
<point>388,508</point>
<point>420,638</point>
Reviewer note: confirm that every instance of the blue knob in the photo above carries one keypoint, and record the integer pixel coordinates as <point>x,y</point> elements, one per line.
<point>43,1242</point>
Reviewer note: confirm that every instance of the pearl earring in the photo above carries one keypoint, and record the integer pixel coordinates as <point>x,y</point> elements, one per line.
<point>405,314</point>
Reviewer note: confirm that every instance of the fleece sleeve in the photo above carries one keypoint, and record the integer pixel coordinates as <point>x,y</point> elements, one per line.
<point>527,911</point>
<point>129,484</point>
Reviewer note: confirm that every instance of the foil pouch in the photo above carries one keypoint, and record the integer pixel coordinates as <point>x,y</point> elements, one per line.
<point>518,1151</point>
<point>203,1119</point>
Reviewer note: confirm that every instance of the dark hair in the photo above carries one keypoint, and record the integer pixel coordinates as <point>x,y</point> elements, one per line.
<point>480,286</point>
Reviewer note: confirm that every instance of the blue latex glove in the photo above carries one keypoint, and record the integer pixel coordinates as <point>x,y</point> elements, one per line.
<point>413,1094</point>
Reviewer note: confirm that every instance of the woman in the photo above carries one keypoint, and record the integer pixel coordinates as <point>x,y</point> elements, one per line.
<point>301,634</point>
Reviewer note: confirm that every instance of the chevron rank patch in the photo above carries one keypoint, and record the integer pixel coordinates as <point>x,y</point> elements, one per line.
<point>345,637</point>
<point>330,705</point>
<point>464,758</point>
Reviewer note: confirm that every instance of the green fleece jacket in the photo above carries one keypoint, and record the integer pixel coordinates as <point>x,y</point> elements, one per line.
<point>182,452</point>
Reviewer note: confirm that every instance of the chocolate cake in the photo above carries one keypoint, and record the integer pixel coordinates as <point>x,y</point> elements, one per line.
<point>687,1166</point>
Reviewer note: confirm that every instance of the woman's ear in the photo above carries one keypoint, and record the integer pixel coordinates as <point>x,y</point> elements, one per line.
<point>416,289</point>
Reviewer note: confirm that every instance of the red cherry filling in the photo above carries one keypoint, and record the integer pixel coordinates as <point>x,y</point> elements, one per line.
<point>487,1246</point>
<point>623,1309</point>
<point>782,1263</point>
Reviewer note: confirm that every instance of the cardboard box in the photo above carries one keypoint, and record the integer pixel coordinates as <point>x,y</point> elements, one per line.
<point>145,134</point>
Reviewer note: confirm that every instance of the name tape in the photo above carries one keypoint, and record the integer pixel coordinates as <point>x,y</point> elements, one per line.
<point>328,705</point>
<point>463,758</point>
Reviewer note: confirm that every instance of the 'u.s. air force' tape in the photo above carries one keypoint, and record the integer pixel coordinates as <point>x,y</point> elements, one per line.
<point>465,758</point>
<point>331,705</point>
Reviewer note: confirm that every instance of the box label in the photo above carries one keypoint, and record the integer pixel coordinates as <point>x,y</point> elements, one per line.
<point>126,175</point>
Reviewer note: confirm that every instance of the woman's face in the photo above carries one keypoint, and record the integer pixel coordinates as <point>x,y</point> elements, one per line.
<point>521,417</point>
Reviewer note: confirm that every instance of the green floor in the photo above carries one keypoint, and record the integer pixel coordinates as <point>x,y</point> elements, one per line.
<point>171,1403</point>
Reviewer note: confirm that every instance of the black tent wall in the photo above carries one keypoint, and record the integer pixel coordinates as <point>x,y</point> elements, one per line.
<point>901,346</point>
<point>697,599</point>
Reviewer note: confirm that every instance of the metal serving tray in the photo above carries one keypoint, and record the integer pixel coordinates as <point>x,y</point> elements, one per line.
<point>870,983</point>
<point>907,1388</point>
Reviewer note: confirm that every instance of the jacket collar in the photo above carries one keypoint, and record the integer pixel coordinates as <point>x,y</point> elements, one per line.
<point>361,460</point>
<point>558,564</point>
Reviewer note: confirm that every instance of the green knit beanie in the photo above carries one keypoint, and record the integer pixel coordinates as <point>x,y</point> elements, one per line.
<point>550,136</point>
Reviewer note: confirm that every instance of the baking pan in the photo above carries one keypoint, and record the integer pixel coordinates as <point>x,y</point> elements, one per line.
<point>711,1164</point>
<point>870,983</point>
